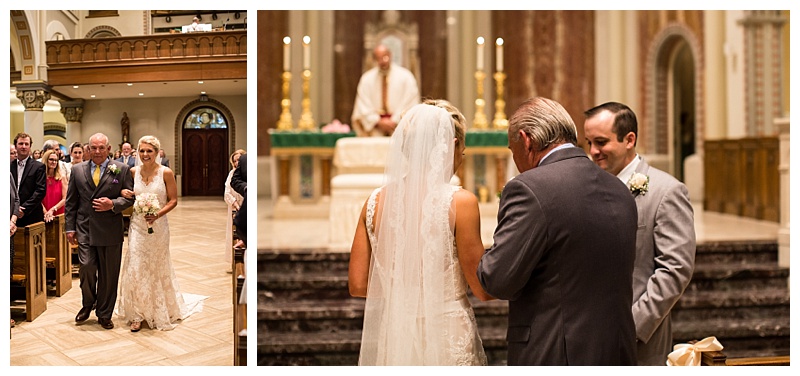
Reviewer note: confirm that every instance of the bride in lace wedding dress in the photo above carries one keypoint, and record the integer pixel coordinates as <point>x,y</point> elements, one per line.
<point>149,290</point>
<point>417,247</point>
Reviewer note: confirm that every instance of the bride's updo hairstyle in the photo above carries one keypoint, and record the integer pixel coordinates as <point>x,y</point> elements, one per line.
<point>152,141</point>
<point>459,122</point>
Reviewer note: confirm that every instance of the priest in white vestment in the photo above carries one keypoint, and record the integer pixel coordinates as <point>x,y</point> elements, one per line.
<point>384,93</point>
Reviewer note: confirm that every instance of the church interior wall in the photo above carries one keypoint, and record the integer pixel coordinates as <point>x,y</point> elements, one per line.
<point>735,72</point>
<point>154,116</point>
<point>128,22</point>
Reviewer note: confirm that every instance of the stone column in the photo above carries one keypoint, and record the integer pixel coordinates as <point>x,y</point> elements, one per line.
<point>73,114</point>
<point>33,96</point>
<point>783,167</point>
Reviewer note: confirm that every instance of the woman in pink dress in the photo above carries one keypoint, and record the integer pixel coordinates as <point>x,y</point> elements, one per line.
<point>56,195</point>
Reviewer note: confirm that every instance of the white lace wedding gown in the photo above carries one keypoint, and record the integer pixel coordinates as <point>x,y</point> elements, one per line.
<point>464,345</point>
<point>149,290</point>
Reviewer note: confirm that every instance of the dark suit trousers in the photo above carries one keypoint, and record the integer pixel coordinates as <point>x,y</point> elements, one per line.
<point>99,274</point>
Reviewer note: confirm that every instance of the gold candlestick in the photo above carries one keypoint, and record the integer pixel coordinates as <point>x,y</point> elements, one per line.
<point>285,121</point>
<point>480,121</point>
<point>306,118</point>
<point>500,122</point>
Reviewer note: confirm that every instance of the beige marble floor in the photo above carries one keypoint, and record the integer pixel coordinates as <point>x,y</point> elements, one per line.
<point>313,233</point>
<point>197,227</point>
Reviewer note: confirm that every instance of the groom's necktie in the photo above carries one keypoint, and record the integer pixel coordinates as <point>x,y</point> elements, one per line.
<point>96,175</point>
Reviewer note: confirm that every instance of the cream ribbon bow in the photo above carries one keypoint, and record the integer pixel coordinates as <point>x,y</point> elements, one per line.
<point>685,354</point>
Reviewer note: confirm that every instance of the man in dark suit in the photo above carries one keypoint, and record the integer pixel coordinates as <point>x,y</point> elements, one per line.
<point>239,184</point>
<point>563,248</point>
<point>127,156</point>
<point>31,177</point>
<point>665,241</point>
<point>94,222</point>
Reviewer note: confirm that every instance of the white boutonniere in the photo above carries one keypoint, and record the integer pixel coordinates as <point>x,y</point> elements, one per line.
<point>114,169</point>
<point>639,183</point>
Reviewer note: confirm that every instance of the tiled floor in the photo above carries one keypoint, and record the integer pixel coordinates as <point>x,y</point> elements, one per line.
<point>197,228</point>
<point>313,233</point>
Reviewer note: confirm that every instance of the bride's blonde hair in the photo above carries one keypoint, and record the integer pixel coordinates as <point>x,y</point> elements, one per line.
<point>152,141</point>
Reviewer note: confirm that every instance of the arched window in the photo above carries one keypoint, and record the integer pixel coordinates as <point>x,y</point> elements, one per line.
<point>205,118</point>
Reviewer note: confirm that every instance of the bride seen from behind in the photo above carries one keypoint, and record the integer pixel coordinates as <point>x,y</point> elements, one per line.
<point>417,247</point>
<point>149,289</point>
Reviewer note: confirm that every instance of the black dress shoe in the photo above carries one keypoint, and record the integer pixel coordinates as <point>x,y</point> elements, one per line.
<point>83,314</point>
<point>105,323</point>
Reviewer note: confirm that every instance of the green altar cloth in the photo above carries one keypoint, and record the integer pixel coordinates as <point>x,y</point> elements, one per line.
<point>294,139</point>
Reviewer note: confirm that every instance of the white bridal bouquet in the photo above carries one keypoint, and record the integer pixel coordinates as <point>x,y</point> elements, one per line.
<point>147,204</point>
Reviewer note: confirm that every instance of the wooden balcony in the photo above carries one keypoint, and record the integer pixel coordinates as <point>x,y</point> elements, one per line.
<point>148,58</point>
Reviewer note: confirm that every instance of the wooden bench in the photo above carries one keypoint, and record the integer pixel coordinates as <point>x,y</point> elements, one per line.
<point>28,273</point>
<point>239,310</point>
<point>58,254</point>
<point>718,358</point>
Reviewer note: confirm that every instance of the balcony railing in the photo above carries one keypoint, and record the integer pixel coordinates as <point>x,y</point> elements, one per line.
<point>226,46</point>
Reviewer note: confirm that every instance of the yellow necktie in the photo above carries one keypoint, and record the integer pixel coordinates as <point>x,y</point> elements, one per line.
<point>96,176</point>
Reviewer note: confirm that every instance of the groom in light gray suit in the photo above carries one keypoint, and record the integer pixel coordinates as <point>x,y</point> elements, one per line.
<point>665,238</point>
<point>563,248</point>
<point>94,222</point>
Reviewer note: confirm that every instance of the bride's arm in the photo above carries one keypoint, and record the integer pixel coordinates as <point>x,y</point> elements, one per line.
<point>468,240</point>
<point>360,252</point>
<point>172,192</point>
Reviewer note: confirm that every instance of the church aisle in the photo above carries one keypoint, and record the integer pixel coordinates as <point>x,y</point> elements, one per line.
<point>197,227</point>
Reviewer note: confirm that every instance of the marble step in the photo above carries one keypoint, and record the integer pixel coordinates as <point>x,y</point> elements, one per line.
<point>317,260</point>
<point>766,336</point>
<point>749,277</point>
<point>737,252</point>
<point>740,339</point>
<point>332,284</point>
<point>299,261</point>
<point>342,347</point>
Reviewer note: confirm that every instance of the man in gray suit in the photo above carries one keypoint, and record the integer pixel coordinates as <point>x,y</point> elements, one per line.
<point>563,248</point>
<point>94,222</point>
<point>665,239</point>
<point>127,155</point>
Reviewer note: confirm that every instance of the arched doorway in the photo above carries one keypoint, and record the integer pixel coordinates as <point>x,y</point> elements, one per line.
<point>674,127</point>
<point>205,151</point>
<point>682,114</point>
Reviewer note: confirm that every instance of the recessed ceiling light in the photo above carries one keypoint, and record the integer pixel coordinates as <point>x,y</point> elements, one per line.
<point>130,84</point>
<point>75,87</point>
<point>200,82</point>
<point>92,95</point>
<point>203,92</point>
<point>141,94</point>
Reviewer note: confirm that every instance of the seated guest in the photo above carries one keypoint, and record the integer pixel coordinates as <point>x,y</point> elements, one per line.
<point>383,93</point>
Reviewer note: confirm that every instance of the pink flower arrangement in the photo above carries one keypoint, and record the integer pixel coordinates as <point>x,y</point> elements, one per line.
<point>336,126</point>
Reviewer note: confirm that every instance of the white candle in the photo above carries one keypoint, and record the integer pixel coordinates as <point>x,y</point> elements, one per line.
<point>480,53</point>
<point>306,52</point>
<point>286,53</point>
<point>499,53</point>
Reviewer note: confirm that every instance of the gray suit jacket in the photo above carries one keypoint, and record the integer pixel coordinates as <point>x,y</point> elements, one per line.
<point>563,256</point>
<point>131,161</point>
<point>100,229</point>
<point>665,251</point>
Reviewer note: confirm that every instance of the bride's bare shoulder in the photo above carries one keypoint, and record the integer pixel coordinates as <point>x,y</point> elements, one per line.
<point>465,197</point>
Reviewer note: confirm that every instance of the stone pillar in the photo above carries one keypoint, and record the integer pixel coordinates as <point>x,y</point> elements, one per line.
<point>73,114</point>
<point>763,68</point>
<point>782,124</point>
<point>33,96</point>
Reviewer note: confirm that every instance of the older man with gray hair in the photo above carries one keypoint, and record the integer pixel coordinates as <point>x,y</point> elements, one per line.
<point>563,248</point>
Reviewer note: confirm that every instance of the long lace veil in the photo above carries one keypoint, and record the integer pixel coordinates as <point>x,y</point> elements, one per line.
<point>404,317</point>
